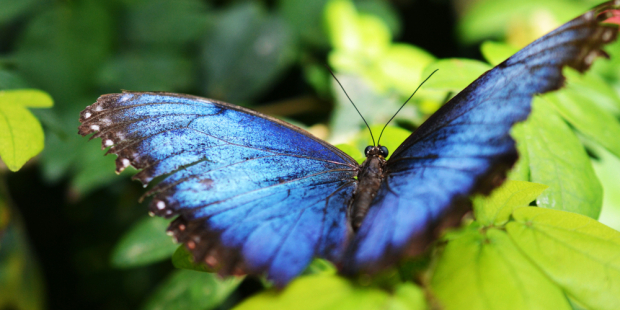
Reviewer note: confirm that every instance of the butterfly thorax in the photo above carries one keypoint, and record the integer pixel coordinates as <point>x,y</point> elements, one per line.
<point>369,177</point>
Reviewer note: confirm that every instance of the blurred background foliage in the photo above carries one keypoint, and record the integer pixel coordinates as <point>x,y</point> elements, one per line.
<point>72,234</point>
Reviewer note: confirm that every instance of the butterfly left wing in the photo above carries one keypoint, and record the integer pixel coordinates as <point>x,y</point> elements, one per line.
<point>465,147</point>
<point>252,194</point>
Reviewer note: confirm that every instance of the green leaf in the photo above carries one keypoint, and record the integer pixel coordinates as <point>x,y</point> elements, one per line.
<point>143,244</point>
<point>148,70</point>
<point>558,159</point>
<point>320,266</point>
<point>246,50</point>
<point>335,293</point>
<point>166,22</point>
<point>21,135</point>
<point>496,208</point>
<point>495,52</point>
<point>486,271</point>
<point>342,26</point>
<point>521,170</point>
<point>12,9</point>
<point>607,168</point>
<point>63,46</point>
<point>185,289</point>
<point>528,19</point>
<point>183,259</point>
<point>581,109</point>
<point>574,251</point>
<point>401,68</point>
<point>376,108</point>
<point>454,74</point>
<point>305,17</point>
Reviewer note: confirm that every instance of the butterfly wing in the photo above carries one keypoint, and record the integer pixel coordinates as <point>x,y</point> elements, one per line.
<point>465,147</point>
<point>252,194</point>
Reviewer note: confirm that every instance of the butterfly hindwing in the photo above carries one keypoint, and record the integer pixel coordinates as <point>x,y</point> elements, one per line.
<point>252,194</point>
<point>465,147</point>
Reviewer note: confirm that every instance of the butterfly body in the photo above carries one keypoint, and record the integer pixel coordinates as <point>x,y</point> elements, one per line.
<point>253,194</point>
<point>370,176</point>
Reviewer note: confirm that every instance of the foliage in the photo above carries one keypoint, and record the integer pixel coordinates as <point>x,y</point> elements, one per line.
<point>269,56</point>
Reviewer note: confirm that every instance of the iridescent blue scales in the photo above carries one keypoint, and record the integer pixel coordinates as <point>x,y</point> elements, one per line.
<point>252,194</point>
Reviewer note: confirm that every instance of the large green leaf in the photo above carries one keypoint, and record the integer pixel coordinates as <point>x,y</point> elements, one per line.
<point>21,135</point>
<point>186,289</point>
<point>496,208</point>
<point>557,159</point>
<point>143,244</point>
<point>482,271</point>
<point>334,292</point>
<point>578,253</point>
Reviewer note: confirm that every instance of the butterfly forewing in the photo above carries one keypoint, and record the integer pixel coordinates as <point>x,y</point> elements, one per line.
<point>252,194</point>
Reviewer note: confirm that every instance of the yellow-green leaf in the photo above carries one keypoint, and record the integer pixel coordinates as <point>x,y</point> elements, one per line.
<point>454,74</point>
<point>495,52</point>
<point>21,135</point>
<point>578,253</point>
<point>486,271</point>
<point>496,208</point>
<point>335,293</point>
<point>557,159</point>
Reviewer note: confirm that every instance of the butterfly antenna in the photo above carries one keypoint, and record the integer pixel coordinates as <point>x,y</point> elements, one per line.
<point>416,90</point>
<point>358,111</point>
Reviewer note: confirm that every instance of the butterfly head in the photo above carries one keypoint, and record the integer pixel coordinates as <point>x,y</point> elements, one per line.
<point>379,150</point>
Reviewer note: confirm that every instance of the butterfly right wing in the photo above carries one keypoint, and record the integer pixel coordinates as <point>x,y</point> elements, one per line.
<point>465,148</point>
<point>252,194</point>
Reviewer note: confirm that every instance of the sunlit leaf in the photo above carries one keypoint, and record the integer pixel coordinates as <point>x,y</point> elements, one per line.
<point>558,159</point>
<point>186,289</point>
<point>21,135</point>
<point>335,293</point>
<point>145,243</point>
<point>528,19</point>
<point>495,52</point>
<point>576,252</point>
<point>486,271</point>
<point>496,208</point>
<point>454,74</point>
<point>521,170</point>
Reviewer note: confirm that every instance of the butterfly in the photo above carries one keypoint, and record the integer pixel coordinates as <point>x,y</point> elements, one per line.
<point>253,194</point>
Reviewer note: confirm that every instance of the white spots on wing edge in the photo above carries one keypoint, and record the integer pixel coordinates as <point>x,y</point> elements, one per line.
<point>125,162</point>
<point>94,127</point>
<point>125,97</point>
<point>607,35</point>
<point>87,115</point>
<point>161,205</point>
<point>108,142</point>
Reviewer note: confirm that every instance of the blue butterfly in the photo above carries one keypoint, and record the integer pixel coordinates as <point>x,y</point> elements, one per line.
<point>253,194</point>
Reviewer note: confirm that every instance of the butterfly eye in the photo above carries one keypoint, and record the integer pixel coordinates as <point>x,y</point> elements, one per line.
<point>367,150</point>
<point>384,151</point>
